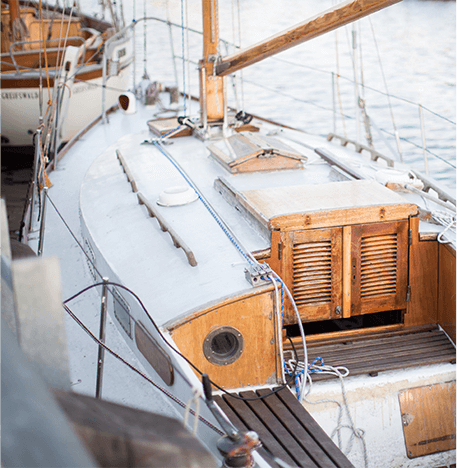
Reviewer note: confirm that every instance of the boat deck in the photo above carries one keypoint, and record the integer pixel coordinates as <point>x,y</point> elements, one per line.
<point>285,428</point>
<point>379,351</point>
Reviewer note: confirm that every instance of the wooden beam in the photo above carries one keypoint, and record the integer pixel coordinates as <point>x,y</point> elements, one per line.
<point>120,436</point>
<point>211,86</point>
<point>333,18</point>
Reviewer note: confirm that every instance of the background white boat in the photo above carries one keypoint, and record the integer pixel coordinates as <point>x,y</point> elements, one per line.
<point>98,183</point>
<point>83,58</point>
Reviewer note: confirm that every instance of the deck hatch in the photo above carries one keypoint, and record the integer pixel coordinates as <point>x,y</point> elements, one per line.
<point>312,272</point>
<point>251,152</point>
<point>378,265</point>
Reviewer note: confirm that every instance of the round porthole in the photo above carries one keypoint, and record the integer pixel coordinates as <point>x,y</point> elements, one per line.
<point>223,345</point>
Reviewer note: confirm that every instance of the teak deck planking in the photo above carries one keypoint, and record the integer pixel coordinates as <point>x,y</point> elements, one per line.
<point>380,351</point>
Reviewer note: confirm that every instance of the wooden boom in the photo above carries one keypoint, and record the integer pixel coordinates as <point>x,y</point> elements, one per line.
<point>331,19</point>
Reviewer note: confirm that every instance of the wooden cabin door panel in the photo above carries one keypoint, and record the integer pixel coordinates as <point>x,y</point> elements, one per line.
<point>312,270</point>
<point>379,267</point>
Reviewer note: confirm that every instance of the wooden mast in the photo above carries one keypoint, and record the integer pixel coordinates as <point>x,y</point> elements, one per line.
<point>14,20</point>
<point>212,100</point>
<point>339,15</point>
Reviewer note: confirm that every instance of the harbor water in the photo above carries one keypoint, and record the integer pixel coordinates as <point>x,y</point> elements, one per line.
<point>404,66</point>
<point>404,61</point>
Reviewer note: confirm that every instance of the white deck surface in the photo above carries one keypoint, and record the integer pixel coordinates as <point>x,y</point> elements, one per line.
<point>143,257</point>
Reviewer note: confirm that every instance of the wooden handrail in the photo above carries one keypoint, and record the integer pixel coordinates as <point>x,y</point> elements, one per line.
<point>333,18</point>
<point>177,241</point>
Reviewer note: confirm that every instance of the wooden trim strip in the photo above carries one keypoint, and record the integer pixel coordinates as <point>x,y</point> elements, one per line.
<point>347,234</point>
<point>177,241</point>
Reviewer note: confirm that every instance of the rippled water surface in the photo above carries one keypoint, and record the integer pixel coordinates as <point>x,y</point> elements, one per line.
<point>406,50</point>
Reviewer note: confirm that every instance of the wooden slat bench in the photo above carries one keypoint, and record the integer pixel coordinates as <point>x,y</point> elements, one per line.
<point>285,428</point>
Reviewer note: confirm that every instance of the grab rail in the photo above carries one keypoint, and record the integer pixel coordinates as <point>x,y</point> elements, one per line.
<point>177,241</point>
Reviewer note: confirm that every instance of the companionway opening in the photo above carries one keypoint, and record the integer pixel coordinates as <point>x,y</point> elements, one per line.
<point>380,319</point>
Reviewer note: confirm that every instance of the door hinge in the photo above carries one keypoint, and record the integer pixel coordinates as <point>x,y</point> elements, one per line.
<point>410,237</point>
<point>408,293</point>
<point>280,251</point>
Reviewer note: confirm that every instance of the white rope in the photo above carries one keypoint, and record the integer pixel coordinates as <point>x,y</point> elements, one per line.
<point>279,327</point>
<point>197,394</point>
<point>318,366</point>
<point>448,221</point>
<point>302,334</point>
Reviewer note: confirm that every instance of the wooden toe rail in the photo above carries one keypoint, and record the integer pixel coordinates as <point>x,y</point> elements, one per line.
<point>177,241</point>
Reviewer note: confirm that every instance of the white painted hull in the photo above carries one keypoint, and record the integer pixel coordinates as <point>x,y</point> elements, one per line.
<point>21,109</point>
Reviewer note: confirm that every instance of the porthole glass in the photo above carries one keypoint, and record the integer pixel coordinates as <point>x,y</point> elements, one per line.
<point>223,346</point>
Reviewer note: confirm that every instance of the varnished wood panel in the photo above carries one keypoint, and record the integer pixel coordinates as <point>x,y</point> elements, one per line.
<point>423,279</point>
<point>253,317</point>
<point>446,294</point>
<point>428,416</point>
<point>301,207</point>
<point>347,236</point>
<point>312,268</point>
<point>398,261</point>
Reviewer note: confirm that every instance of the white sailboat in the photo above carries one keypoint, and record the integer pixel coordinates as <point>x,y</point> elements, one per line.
<point>284,266</point>
<point>81,57</point>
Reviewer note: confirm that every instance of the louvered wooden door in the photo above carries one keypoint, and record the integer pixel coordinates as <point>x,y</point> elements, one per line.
<point>379,260</point>
<point>312,270</point>
<point>366,263</point>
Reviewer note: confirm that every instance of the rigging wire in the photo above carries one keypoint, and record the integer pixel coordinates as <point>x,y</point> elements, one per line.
<point>387,90</point>
<point>277,389</point>
<point>273,391</point>
<point>338,84</point>
<point>141,374</point>
<point>183,59</point>
<point>145,56</point>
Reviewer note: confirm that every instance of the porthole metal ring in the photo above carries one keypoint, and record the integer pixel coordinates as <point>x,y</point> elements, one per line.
<point>223,345</point>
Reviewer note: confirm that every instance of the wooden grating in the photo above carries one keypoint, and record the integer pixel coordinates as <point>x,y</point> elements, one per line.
<point>378,352</point>
<point>285,428</point>
<point>312,272</point>
<point>378,265</point>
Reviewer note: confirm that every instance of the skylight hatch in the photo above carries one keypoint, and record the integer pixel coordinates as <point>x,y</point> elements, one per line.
<point>251,152</point>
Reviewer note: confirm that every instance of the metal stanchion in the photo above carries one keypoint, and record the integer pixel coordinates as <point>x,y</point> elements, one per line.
<point>101,349</point>
<point>42,222</point>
